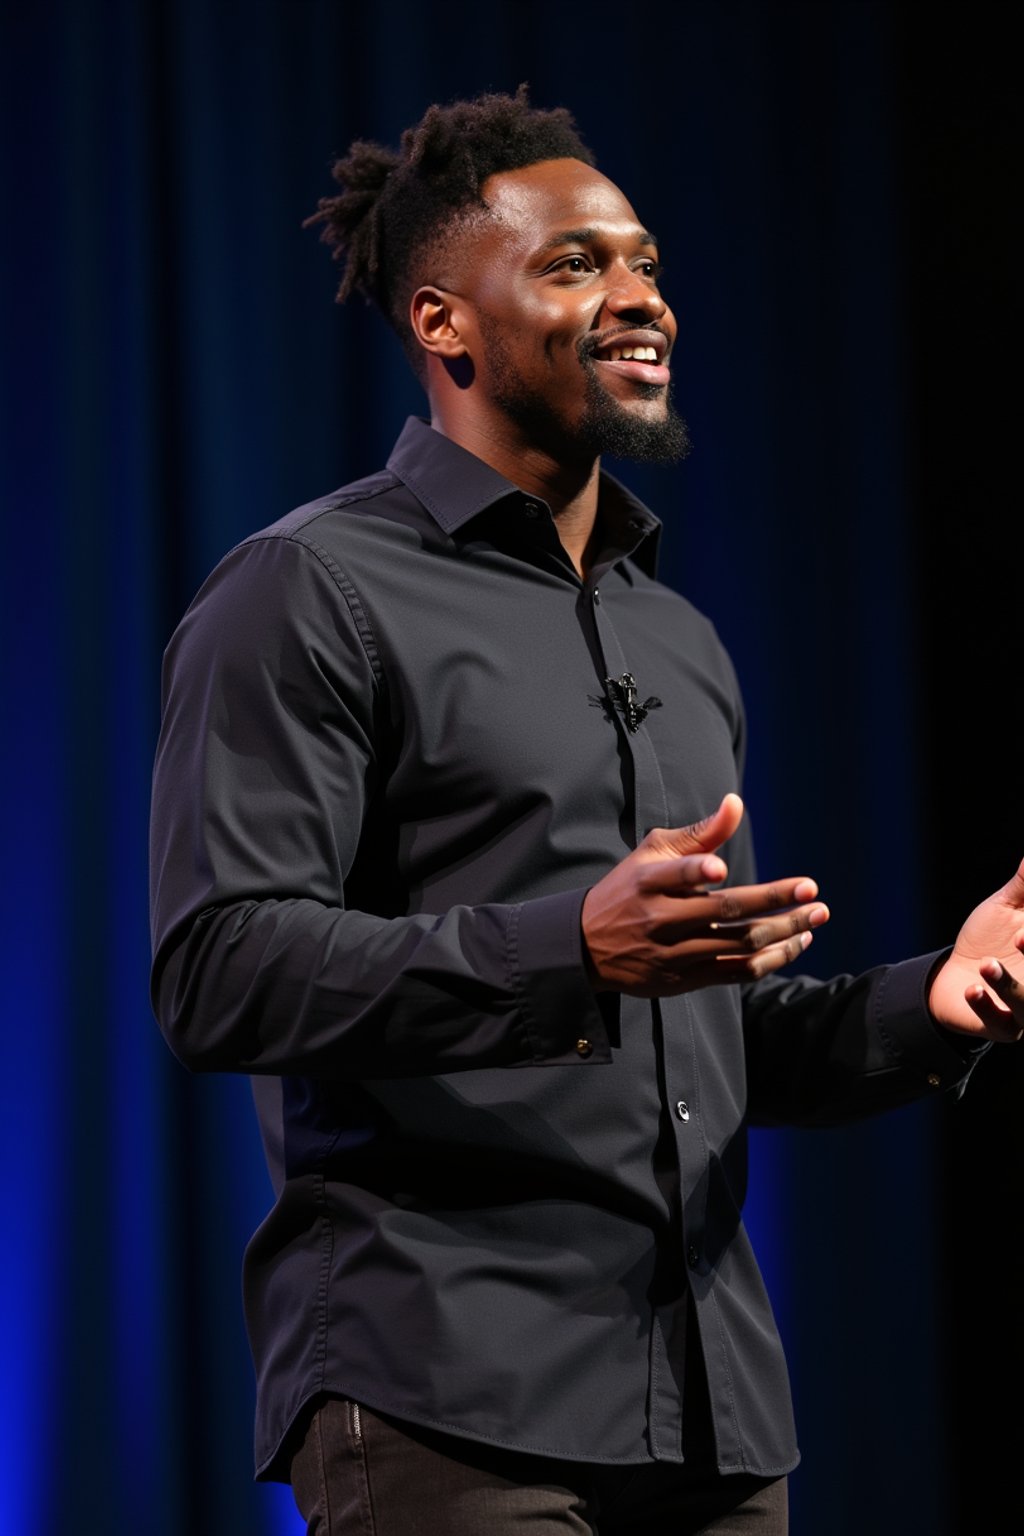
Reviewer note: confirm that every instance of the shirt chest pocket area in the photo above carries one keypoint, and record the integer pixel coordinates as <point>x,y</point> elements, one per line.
<point>481,730</point>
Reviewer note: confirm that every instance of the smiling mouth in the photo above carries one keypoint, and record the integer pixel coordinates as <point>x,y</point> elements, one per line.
<point>633,367</point>
<point>635,355</point>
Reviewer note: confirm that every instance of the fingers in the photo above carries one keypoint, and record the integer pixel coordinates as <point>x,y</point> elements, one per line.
<point>682,910</point>
<point>652,927</point>
<point>749,967</point>
<point>675,876</point>
<point>727,970</point>
<point>1002,1014</point>
<point>748,938</point>
<point>741,940</point>
<point>685,874</point>
<point>701,836</point>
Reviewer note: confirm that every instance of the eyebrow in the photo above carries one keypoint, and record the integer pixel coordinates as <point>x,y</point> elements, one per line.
<point>588,237</point>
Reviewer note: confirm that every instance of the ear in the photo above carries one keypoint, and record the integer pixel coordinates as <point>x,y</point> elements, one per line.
<point>436,322</point>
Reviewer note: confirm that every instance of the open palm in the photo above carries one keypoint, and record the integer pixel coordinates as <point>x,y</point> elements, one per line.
<point>980,988</point>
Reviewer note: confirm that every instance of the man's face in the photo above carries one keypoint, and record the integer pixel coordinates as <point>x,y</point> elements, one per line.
<point>561,282</point>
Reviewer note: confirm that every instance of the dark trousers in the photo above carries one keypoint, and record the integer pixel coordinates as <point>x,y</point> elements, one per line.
<point>355,1473</point>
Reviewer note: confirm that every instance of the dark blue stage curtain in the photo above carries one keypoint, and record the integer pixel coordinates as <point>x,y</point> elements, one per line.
<point>174,374</point>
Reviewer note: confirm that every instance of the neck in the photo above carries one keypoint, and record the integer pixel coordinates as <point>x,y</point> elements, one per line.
<point>568,484</point>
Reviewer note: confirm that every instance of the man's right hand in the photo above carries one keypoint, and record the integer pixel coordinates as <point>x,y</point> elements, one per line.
<point>651,927</point>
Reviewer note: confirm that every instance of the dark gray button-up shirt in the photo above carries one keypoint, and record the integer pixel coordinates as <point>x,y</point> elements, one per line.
<point>390,768</point>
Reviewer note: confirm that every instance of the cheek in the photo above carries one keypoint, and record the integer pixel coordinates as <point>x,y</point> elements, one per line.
<point>534,330</point>
<point>559,324</point>
<point>540,308</point>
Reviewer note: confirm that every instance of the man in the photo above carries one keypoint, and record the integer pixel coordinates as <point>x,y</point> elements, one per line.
<point>421,743</point>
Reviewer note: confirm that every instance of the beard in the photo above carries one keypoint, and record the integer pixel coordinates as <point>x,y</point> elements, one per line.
<point>605,425</point>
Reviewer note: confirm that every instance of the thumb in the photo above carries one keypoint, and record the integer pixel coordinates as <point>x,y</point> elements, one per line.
<point>700,836</point>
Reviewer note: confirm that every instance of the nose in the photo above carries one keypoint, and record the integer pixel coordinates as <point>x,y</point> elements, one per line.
<point>631,296</point>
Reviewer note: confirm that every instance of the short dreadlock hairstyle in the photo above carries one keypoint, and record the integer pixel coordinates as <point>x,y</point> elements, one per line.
<point>395,211</point>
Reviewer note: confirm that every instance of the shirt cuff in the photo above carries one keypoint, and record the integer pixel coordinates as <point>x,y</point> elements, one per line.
<point>909,1033</point>
<point>561,1011</point>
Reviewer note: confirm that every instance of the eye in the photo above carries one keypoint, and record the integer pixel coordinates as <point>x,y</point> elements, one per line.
<point>575,266</point>
<point>651,269</point>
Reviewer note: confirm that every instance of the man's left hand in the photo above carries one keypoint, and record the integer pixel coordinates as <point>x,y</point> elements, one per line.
<point>980,989</point>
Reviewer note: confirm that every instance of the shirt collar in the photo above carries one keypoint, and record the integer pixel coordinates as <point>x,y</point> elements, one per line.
<point>454,486</point>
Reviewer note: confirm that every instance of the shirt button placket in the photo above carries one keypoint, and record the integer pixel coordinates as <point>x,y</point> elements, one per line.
<point>650,809</point>
<point>649,804</point>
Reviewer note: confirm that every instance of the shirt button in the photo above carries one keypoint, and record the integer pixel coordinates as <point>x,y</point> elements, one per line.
<point>597,597</point>
<point>531,509</point>
<point>584,1047</point>
<point>933,1080</point>
<point>683,1110</point>
<point>692,1256</point>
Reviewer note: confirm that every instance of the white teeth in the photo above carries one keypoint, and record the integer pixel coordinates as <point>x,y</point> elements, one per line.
<point>632,354</point>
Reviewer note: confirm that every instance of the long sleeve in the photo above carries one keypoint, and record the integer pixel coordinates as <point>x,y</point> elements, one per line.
<point>819,1053</point>
<point>268,774</point>
<point>824,1052</point>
